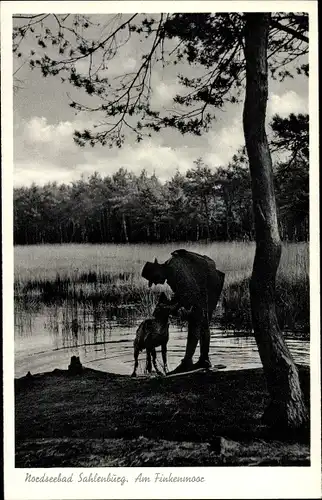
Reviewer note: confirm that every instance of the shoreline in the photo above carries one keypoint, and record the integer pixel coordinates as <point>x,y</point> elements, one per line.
<point>234,351</point>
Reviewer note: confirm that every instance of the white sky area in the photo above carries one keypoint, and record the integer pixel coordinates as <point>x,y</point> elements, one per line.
<point>44,149</point>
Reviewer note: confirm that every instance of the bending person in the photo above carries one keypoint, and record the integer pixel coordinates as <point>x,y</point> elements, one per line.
<point>197,285</point>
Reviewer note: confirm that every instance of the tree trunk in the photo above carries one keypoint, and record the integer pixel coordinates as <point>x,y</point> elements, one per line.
<point>109,224</point>
<point>207,218</point>
<point>126,238</point>
<point>286,409</point>
<point>73,232</point>
<point>227,209</point>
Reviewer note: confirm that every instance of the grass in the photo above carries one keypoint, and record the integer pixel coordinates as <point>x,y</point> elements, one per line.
<point>101,419</point>
<point>111,273</point>
<point>39,262</point>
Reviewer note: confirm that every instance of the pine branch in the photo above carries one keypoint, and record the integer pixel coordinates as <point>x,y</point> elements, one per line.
<point>290,31</point>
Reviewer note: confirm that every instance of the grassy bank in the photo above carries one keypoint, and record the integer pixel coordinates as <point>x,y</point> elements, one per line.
<point>111,274</point>
<point>99,419</point>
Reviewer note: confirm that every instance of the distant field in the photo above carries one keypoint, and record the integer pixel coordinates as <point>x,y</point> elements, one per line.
<point>113,271</point>
<point>235,259</point>
<point>45,261</point>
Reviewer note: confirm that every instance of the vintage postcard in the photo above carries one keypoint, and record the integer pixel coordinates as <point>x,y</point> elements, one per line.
<point>160,201</point>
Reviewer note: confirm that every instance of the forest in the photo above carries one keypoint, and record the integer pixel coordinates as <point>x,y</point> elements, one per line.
<point>202,204</point>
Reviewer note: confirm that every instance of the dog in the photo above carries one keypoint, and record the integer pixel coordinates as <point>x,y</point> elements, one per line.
<point>154,332</point>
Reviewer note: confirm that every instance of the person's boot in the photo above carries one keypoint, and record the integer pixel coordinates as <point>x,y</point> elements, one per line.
<point>202,363</point>
<point>186,365</point>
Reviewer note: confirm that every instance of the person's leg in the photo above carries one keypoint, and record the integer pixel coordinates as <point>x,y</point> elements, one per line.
<point>205,339</point>
<point>203,361</point>
<point>194,325</point>
<point>193,338</point>
<point>215,286</point>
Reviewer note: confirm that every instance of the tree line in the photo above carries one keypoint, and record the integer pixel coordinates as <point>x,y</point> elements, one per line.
<point>202,204</point>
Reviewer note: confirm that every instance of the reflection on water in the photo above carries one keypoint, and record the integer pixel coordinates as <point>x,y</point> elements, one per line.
<point>47,336</point>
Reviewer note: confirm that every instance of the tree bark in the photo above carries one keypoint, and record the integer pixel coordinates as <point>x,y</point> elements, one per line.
<point>124,226</point>
<point>205,202</point>
<point>228,213</point>
<point>286,409</point>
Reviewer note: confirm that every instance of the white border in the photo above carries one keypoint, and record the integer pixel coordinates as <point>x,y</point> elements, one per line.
<point>225,482</point>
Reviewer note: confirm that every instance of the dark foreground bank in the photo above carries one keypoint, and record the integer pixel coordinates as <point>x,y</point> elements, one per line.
<point>98,419</point>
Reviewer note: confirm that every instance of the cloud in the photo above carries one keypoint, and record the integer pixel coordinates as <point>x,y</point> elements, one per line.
<point>37,130</point>
<point>289,102</point>
<point>163,93</point>
<point>129,64</point>
<point>148,155</point>
<point>114,67</point>
<point>224,141</point>
<point>45,151</point>
<point>27,172</point>
<point>39,139</point>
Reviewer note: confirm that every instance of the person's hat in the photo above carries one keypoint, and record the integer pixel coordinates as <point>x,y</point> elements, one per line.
<point>151,270</point>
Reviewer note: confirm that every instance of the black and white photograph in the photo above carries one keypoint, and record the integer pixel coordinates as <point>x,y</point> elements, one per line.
<point>160,249</point>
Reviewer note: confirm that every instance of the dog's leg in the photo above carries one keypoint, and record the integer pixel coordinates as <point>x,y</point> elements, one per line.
<point>164,357</point>
<point>148,361</point>
<point>136,362</point>
<point>154,359</point>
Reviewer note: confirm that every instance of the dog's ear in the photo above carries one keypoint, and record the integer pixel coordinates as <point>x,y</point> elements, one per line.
<point>156,261</point>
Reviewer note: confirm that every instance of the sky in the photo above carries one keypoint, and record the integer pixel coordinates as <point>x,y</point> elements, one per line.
<point>44,150</point>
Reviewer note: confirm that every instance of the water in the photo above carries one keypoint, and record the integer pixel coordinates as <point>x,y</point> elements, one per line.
<point>47,336</point>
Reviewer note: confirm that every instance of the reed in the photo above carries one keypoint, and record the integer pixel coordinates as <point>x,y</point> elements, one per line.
<point>111,275</point>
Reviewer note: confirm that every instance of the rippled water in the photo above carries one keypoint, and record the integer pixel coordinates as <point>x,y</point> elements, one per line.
<point>47,338</point>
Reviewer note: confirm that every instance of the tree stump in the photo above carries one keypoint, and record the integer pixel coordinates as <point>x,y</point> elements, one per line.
<point>75,367</point>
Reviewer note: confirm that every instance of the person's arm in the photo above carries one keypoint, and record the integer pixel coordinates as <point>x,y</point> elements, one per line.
<point>177,309</point>
<point>174,305</point>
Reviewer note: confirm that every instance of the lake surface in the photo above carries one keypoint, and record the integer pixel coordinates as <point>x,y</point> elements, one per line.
<point>46,337</point>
